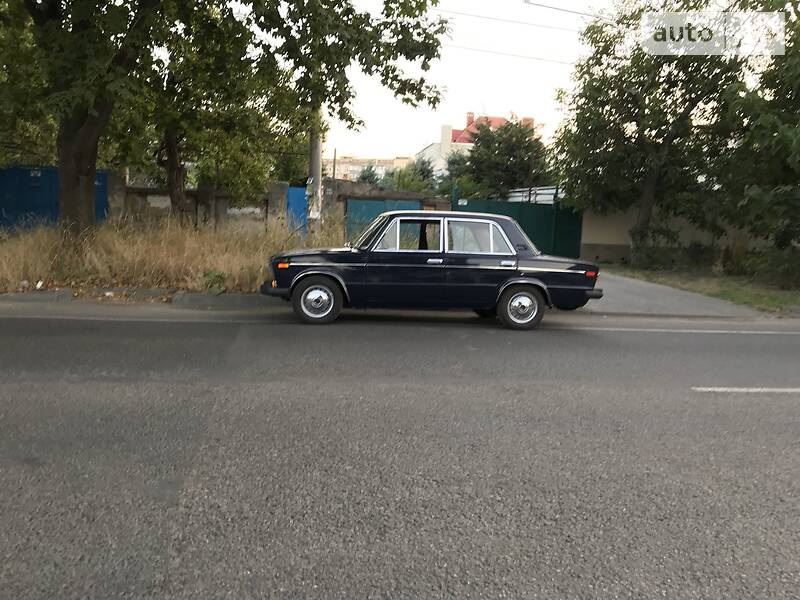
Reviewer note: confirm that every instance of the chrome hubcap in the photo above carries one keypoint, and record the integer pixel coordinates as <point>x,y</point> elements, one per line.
<point>317,301</point>
<point>522,308</point>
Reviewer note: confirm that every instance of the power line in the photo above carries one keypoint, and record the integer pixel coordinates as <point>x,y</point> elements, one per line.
<point>539,58</point>
<point>498,19</point>
<point>566,10</point>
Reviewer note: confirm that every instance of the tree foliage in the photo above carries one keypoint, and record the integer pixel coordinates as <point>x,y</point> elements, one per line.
<point>368,175</point>
<point>640,126</point>
<point>760,169</point>
<point>510,157</point>
<point>416,176</point>
<point>321,41</point>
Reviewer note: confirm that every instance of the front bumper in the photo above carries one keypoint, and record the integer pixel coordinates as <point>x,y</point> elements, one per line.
<point>594,294</point>
<point>267,289</point>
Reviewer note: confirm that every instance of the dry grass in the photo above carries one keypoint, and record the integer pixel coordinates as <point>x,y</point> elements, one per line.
<point>162,254</point>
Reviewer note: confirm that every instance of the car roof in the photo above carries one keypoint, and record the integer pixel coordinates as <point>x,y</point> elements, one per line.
<point>444,213</point>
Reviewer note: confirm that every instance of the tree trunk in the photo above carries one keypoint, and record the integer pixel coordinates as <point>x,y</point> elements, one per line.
<point>647,201</point>
<point>78,137</point>
<point>640,233</point>
<point>176,176</point>
<point>207,196</point>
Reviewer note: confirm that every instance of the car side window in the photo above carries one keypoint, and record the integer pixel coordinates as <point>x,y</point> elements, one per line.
<point>469,237</point>
<point>499,243</point>
<point>476,237</point>
<point>409,235</point>
<point>389,239</point>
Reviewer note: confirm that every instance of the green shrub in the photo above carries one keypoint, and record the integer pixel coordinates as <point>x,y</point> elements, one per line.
<point>774,267</point>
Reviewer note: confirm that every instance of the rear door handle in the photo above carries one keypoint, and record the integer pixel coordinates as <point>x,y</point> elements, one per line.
<point>507,263</point>
<point>435,261</point>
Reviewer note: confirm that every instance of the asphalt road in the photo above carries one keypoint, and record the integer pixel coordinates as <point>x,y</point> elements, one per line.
<point>149,452</point>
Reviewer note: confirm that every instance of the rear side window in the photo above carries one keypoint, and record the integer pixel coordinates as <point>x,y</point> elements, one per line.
<point>468,236</point>
<point>475,237</point>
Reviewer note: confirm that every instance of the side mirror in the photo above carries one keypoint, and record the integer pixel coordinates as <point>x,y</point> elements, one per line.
<point>348,244</point>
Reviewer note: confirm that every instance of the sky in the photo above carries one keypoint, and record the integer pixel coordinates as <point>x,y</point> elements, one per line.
<point>480,82</point>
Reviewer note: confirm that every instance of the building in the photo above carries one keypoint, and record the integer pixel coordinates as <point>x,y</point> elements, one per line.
<point>459,140</point>
<point>350,167</point>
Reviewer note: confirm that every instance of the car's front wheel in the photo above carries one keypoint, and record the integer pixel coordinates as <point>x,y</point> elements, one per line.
<point>317,300</point>
<point>521,307</point>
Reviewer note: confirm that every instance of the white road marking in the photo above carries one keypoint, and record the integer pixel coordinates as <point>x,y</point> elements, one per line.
<point>745,390</point>
<point>666,330</point>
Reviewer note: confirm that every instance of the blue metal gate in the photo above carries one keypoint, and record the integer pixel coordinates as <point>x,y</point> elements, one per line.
<point>29,196</point>
<point>297,209</point>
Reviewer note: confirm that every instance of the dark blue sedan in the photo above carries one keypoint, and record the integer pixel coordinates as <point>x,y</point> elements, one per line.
<point>433,259</point>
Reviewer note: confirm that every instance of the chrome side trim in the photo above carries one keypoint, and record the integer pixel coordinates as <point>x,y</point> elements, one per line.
<point>336,276</point>
<point>321,264</point>
<point>493,267</point>
<point>546,270</point>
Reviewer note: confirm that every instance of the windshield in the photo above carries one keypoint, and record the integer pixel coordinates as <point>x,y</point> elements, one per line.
<point>362,240</point>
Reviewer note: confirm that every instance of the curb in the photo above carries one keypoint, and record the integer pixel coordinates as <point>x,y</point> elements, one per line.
<point>233,301</point>
<point>60,295</point>
<point>181,299</point>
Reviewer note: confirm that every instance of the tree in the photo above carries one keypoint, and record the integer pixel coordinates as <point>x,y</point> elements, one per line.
<point>513,156</point>
<point>27,133</point>
<point>458,179</point>
<point>89,56</point>
<point>635,119</point>
<point>217,104</point>
<point>82,55</point>
<point>321,40</point>
<point>369,175</point>
<point>760,169</point>
<point>416,177</point>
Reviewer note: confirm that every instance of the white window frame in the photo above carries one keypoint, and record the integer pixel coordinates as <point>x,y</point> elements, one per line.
<point>493,225</point>
<point>397,248</point>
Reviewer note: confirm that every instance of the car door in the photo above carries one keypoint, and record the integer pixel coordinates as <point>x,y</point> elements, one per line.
<point>479,259</point>
<point>406,265</point>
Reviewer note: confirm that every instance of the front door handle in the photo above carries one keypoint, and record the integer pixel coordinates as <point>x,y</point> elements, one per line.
<point>435,261</point>
<point>507,263</point>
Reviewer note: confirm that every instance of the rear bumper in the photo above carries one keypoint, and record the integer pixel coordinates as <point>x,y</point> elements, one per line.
<point>594,294</point>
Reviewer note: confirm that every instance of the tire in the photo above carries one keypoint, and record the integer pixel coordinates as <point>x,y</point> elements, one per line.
<point>486,313</point>
<point>317,300</point>
<point>521,307</point>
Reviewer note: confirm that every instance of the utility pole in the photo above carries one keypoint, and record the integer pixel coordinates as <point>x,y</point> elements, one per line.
<point>314,191</point>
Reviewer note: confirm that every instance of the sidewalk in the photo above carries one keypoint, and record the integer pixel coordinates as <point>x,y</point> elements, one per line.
<point>623,295</point>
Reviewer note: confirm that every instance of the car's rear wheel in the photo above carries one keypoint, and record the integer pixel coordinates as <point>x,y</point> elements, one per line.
<point>486,313</point>
<point>521,307</point>
<point>317,300</point>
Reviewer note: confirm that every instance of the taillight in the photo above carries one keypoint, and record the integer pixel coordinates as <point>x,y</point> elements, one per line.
<point>591,274</point>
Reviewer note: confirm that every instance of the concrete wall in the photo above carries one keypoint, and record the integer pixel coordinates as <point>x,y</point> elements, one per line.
<point>607,237</point>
